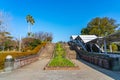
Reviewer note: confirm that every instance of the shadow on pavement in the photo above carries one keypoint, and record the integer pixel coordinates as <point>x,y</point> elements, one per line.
<point>113,74</point>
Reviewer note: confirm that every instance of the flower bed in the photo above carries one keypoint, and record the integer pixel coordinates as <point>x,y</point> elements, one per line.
<point>59,61</point>
<point>61,68</point>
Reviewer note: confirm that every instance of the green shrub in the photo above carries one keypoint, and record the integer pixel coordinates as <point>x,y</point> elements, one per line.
<point>114,47</point>
<point>30,43</point>
<point>20,54</point>
<point>59,58</point>
<point>61,62</point>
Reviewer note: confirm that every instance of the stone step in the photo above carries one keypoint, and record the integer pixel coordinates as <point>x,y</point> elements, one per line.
<point>71,54</point>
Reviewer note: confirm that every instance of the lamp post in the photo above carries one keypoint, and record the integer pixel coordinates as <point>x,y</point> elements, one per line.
<point>20,44</point>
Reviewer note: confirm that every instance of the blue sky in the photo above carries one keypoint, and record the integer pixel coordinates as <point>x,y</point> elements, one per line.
<point>63,18</point>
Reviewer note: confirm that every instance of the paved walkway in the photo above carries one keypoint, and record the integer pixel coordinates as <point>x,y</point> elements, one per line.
<point>35,71</point>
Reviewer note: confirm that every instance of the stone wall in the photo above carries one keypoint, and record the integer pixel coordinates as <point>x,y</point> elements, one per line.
<point>20,62</point>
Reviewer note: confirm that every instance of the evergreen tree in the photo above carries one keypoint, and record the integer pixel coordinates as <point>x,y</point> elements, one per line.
<point>100,27</point>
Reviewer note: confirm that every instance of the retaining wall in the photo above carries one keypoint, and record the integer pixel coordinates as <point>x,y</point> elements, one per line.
<point>110,62</point>
<point>20,62</point>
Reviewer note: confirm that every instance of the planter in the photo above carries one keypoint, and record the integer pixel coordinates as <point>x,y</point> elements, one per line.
<point>100,63</point>
<point>92,59</point>
<point>62,68</point>
<point>96,60</point>
<point>115,64</point>
<point>106,64</point>
<point>60,61</point>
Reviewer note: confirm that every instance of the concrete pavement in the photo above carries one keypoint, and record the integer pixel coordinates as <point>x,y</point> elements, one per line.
<point>35,71</point>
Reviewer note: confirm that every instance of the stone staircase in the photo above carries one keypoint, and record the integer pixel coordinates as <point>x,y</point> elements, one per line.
<point>47,52</point>
<point>71,54</point>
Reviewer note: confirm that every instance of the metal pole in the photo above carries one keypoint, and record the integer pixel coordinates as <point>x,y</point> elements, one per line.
<point>110,48</point>
<point>99,44</point>
<point>105,48</point>
<point>20,44</point>
<point>91,47</point>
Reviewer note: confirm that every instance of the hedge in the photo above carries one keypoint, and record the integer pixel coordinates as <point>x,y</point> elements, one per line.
<point>19,54</point>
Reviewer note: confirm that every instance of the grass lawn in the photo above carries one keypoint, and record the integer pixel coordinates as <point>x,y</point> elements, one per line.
<point>59,59</point>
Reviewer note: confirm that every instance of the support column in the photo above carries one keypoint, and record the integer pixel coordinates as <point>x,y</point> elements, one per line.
<point>91,47</point>
<point>110,48</point>
<point>105,46</point>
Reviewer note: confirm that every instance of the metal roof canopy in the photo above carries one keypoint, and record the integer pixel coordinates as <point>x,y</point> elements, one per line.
<point>115,37</point>
<point>87,38</point>
<point>73,37</point>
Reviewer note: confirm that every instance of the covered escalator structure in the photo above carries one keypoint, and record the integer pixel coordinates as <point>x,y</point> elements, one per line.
<point>92,43</point>
<point>85,42</point>
<point>97,49</point>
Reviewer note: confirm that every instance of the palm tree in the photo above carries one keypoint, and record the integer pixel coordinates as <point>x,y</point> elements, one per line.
<point>30,21</point>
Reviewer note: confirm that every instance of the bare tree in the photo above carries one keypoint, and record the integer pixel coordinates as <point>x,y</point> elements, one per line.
<point>4,35</point>
<point>43,36</point>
